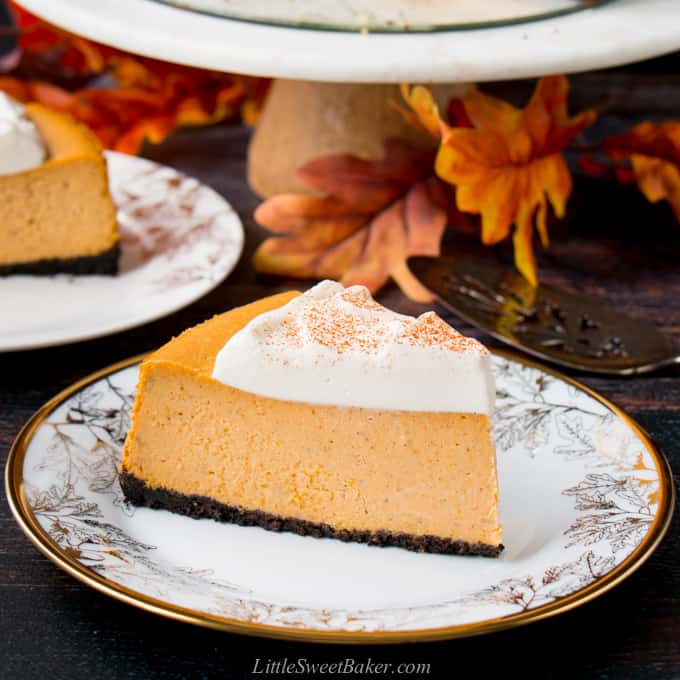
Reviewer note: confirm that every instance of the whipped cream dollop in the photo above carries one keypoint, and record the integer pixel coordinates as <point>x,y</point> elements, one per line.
<point>337,346</point>
<point>21,146</point>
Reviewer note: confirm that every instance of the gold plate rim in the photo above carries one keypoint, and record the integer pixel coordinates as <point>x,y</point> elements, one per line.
<point>16,497</point>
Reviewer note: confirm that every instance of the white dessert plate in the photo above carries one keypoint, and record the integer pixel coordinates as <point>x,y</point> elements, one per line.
<point>585,499</point>
<point>179,240</point>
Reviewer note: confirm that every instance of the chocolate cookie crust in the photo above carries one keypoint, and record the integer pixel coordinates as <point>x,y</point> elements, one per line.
<point>105,263</point>
<point>138,493</point>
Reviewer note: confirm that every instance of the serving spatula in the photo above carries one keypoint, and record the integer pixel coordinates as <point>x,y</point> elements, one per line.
<point>565,328</point>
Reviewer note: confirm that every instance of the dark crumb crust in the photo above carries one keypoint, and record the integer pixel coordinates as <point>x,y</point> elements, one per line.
<point>138,493</point>
<point>105,263</point>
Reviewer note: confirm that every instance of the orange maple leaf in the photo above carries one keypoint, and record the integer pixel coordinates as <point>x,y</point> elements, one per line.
<point>653,151</point>
<point>506,163</point>
<point>370,217</point>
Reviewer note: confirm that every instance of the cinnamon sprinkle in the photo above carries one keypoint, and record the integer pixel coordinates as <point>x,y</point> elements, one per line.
<point>352,321</point>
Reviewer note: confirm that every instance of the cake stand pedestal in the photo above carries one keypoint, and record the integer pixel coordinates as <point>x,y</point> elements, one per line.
<point>305,119</point>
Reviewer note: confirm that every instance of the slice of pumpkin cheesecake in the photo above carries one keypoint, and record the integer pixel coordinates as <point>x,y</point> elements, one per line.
<point>56,212</point>
<point>324,414</point>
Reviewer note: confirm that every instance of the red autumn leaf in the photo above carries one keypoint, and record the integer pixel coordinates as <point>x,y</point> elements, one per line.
<point>653,151</point>
<point>150,100</point>
<point>47,46</point>
<point>371,216</point>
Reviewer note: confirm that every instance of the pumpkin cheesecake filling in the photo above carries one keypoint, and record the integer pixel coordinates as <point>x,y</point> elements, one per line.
<point>341,420</point>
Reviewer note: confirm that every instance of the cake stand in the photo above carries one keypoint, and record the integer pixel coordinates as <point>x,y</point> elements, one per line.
<point>306,116</point>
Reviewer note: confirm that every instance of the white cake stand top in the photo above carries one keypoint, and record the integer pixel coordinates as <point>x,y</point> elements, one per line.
<point>619,32</point>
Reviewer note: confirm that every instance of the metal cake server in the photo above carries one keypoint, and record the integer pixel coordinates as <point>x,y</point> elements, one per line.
<point>565,328</point>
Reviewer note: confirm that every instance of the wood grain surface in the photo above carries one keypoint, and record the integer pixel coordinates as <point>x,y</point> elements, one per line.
<point>613,245</point>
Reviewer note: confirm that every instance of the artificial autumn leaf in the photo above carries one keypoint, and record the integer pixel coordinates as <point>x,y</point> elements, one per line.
<point>506,163</point>
<point>653,151</point>
<point>47,47</point>
<point>150,100</point>
<point>424,110</point>
<point>123,118</point>
<point>370,217</point>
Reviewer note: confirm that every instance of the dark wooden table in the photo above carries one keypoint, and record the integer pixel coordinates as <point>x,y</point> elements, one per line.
<point>613,245</point>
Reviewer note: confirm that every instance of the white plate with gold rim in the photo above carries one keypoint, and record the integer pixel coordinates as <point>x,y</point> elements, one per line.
<point>179,240</point>
<point>585,499</point>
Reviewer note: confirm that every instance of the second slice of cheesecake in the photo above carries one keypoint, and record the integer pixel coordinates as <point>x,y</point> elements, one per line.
<point>324,414</point>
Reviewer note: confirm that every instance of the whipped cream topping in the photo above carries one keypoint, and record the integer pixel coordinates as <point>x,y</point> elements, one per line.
<point>21,146</point>
<point>337,346</point>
